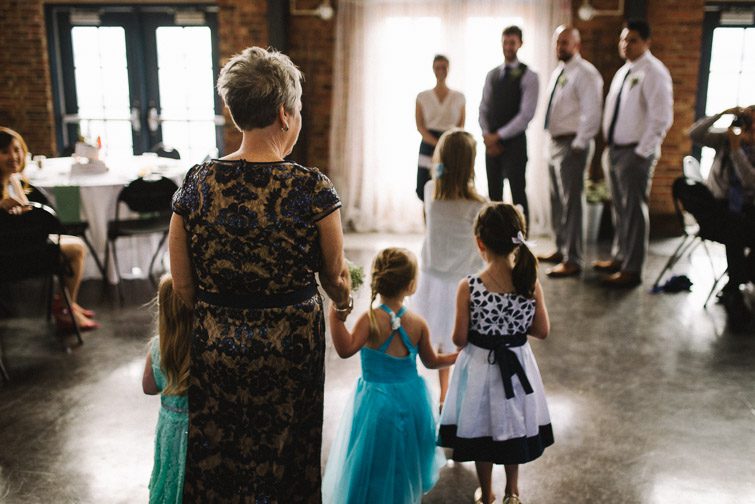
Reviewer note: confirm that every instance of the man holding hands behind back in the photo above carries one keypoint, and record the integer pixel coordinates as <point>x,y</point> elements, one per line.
<point>639,110</point>
<point>572,119</point>
<point>508,104</point>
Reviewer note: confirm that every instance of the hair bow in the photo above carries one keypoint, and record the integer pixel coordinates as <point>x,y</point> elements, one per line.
<point>519,240</point>
<point>440,169</point>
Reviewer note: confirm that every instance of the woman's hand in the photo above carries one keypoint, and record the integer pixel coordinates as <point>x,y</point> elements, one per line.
<point>13,206</point>
<point>735,139</point>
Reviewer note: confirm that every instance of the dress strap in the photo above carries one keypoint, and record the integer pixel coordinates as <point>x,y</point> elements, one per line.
<point>396,328</point>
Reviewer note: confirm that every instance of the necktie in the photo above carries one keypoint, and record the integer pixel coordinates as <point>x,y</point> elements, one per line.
<point>550,100</point>
<point>615,116</point>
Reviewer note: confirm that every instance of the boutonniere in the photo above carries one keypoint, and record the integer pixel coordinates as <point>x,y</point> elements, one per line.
<point>562,81</point>
<point>516,72</point>
<point>636,79</point>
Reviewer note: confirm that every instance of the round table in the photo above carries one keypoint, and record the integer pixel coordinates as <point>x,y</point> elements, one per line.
<point>98,186</point>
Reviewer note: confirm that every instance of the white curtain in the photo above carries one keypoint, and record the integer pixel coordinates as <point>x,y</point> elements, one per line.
<point>383,58</point>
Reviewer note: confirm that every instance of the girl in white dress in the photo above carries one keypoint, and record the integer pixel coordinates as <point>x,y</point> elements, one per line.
<point>438,109</point>
<point>448,252</point>
<point>496,412</point>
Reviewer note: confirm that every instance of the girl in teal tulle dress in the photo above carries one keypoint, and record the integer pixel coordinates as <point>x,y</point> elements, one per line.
<point>385,449</point>
<point>167,373</point>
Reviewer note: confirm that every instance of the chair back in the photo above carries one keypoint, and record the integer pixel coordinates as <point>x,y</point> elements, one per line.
<point>691,168</point>
<point>165,151</point>
<point>25,249</point>
<point>148,195</point>
<point>694,198</point>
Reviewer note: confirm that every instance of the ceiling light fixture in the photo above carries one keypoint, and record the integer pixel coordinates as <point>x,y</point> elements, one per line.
<point>324,11</point>
<point>586,11</point>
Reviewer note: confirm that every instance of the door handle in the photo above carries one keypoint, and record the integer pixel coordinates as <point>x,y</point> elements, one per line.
<point>153,119</point>
<point>136,123</point>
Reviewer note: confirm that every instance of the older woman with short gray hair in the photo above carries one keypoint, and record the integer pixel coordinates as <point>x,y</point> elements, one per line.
<point>248,234</point>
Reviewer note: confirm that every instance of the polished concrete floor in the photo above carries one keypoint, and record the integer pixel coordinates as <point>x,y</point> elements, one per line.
<point>652,397</point>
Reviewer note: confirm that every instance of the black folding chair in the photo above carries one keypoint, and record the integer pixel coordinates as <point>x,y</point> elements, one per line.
<point>27,252</point>
<point>695,209</point>
<point>165,151</point>
<point>74,228</point>
<point>151,198</point>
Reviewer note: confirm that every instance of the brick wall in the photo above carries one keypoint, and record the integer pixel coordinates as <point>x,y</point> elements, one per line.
<point>676,40</point>
<point>25,89</point>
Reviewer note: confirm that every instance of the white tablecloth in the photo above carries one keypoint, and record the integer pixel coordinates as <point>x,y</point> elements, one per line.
<point>98,193</point>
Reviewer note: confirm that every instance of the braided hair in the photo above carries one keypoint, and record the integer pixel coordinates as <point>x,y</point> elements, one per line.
<point>393,271</point>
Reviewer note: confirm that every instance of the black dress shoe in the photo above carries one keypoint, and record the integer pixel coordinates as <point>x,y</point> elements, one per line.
<point>554,258</point>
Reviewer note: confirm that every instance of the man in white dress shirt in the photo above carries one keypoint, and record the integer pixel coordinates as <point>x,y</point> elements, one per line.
<point>638,113</point>
<point>572,118</point>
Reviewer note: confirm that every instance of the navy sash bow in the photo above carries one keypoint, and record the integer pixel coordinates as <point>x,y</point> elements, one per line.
<point>507,360</point>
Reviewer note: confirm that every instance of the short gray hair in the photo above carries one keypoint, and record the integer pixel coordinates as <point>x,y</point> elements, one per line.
<point>255,83</point>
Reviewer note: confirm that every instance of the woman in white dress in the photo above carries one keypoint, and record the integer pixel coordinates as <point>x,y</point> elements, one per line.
<point>438,109</point>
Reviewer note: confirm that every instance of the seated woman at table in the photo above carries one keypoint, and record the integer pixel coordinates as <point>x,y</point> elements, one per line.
<point>13,200</point>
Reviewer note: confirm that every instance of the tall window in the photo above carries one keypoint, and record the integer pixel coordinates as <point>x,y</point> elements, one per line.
<point>731,77</point>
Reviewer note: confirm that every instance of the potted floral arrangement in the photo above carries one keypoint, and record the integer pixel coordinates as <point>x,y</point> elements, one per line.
<point>596,195</point>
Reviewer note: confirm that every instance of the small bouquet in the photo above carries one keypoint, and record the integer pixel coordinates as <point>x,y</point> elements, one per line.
<point>596,191</point>
<point>357,275</point>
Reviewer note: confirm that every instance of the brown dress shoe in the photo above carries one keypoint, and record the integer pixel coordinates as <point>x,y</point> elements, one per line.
<point>555,258</point>
<point>623,280</point>
<point>564,269</point>
<point>607,266</point>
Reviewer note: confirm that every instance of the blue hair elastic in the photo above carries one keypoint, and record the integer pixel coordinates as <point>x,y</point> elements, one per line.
<point>440,169</point>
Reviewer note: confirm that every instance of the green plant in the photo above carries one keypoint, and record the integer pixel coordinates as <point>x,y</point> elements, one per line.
<point>357,275</point>
<point>596,191</point>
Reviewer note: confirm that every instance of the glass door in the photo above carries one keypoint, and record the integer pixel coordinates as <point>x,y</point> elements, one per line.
<point>137,79</point>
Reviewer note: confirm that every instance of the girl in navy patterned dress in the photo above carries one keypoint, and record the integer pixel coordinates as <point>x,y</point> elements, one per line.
<point>495,411</point>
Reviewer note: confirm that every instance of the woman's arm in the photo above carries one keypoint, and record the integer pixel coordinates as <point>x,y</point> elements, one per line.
<point>334,275</point>
<point>463,116</point>
<point>461,328</point>
<point>541,324</point>
<point>180,260</point>
<point>430,358</point>
<point>348,343</point>
<point>148,378</point>
<point>427,137</point>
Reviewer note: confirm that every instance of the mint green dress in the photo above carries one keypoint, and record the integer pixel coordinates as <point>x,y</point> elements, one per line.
<point>171,436</point>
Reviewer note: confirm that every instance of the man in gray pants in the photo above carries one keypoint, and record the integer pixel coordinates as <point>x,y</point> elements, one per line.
<point>572,119</point>
<point>638,113</point>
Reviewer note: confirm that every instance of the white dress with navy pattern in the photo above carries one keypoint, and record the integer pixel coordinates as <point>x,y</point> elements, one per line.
<point>479,421</point>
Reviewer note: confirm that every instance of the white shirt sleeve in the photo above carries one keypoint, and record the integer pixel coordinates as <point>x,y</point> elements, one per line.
<point>590,93</point>
<point>657,90</point>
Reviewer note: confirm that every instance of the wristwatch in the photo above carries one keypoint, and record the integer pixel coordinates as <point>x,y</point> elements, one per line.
<point>349,306</point>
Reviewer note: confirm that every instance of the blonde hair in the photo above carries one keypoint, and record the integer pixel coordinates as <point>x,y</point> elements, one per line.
<point>393,271</point>
<point>7,135</point>
<point>456,151</point>
<point>174,323</point>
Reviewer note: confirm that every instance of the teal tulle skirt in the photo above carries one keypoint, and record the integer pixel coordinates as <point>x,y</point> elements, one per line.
<point>385,449</point>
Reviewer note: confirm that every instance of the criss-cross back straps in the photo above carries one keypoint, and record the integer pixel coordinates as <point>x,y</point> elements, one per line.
<point>396,328</point>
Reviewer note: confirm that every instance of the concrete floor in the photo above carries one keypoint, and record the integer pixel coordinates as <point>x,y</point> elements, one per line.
<point>651,397</point>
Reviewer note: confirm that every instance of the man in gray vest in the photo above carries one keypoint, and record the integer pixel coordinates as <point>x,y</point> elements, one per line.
<point>508,104</point>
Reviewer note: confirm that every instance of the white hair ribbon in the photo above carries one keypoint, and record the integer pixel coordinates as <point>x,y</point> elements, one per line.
<point>519,240</point>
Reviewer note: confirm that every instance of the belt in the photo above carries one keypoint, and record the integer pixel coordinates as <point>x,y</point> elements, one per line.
<point>257,300</point>
<point>507,360</point>
<point>624,146</point>
<point>562,138</point>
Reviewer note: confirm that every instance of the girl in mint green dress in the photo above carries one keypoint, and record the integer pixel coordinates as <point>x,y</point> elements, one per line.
<point>385,451</point>
<point>167,373</point>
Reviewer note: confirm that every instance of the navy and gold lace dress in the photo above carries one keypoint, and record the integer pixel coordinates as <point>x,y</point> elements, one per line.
<point>257,370</point>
